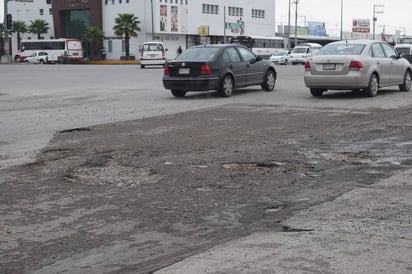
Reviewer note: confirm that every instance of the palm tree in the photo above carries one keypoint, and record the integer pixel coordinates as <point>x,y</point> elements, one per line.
<point>92,35</point>
<point>39,27</point>
<point>1,39</point>
<point>19,27</point>
<point>126,24</point>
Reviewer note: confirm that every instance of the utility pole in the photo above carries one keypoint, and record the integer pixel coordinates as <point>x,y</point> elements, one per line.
<point>296,22</point>
<point>376,9</point>
<point>6,58</point>
<point>341,19</point>
<point>289,47</point>
<point>224,24</point>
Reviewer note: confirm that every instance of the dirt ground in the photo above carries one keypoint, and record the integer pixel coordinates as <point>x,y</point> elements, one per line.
<point>136,196</point>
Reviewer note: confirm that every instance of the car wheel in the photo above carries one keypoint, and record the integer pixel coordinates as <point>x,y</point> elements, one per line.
<point>286,62</point>
<point>178,93</point>
<point>406,86</point>
<point>317,92</point>
<point>41,62</point>
<point>26,61</point>
<point>373,86</point>
<point>142,66</point>
<point>226,87</point>
<point>270,79</point>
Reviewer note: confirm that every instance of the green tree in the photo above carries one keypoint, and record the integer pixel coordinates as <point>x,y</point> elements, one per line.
<point>1,39</point>
<point>19,27</point>
<point>126,24</point>
<point>93,35</point>
<point>38,27</point>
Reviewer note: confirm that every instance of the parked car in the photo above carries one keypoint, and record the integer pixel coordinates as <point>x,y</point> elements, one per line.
<point>42,57</point>
<point>280,57</point>
<point>39,57</point>
<point>152,53</point>
<point>221,67</point>
<point>357,65</point>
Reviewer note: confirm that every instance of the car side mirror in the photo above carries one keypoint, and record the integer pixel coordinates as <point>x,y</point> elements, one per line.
<point>259,58</point>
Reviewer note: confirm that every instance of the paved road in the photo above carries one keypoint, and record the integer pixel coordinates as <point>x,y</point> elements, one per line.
<point>36,101</point>
<point>139,195</point>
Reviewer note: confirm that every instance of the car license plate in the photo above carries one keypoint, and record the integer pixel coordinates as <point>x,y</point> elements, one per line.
<point>184,71</point>
<point>329,66</point>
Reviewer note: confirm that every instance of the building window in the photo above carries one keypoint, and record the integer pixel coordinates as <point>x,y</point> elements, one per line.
<point>210,9</point>
<point>106,1</point>
<point>110,46</point>
<point>48,2</point>
<point>235,11</point>
<point>41,11</point>
<point>50,11</point>
<point>120,1</point>
<point>258,13</point>
<point>127,1</point>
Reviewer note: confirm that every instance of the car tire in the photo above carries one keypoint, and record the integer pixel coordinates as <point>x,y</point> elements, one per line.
<point>178,93</point>
<point>407,82</point>
<point>372,89</point>
<point>41,62</point>
<point>270,81</point>
<point>285,63</point>
<point>26,61</point>
<point>316,92</point>
<point>226,86</point>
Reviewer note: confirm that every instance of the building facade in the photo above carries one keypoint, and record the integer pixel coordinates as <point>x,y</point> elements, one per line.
<point>174,22</point>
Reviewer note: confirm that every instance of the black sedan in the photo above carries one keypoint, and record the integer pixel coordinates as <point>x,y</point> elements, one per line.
<point>221,67</point>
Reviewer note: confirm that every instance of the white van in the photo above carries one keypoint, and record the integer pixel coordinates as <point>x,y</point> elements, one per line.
<point>300,53</point>
<point>405,50</point>
<point>152,53</point>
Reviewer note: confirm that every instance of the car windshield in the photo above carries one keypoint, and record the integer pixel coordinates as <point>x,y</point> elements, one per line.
<point>152,47</point>
<point>342,49</point>
<point>280,53</point>
<point>198,53</point>
<point>299,50</point>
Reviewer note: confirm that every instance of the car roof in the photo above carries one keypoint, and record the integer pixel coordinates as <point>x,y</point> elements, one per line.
<point>219,45</point>
<point>363,42</point>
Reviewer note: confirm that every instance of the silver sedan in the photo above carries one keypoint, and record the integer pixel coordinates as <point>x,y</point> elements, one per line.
<point>357,65</point>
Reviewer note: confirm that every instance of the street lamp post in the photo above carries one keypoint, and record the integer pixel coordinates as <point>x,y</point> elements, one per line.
<point>377,9</point>
<point>296,22</point>
<point>341,19</point>
<point>289,27</point>
<point>6,58</point>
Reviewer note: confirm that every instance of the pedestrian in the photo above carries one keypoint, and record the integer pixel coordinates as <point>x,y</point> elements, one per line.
<point>179,50</point>
<point>103,52</point>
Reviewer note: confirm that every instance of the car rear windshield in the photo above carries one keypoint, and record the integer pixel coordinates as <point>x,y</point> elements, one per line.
<point>299,50</point>
<point>198,54</point>
<point>342,49</point>
<point>152,47</point>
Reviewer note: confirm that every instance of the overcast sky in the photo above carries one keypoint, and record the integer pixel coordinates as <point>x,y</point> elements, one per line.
<point>397,14</point>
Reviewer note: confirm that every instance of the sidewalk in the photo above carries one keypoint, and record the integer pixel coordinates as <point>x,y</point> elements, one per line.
<point>367,230</point>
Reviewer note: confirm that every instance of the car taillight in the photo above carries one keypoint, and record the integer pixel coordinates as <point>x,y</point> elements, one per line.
<point>356,65</point>
<point>163,52</point>
<point>205,69</point>
<point>166,70</point>
<point>141,53</point>
<point>307,65</point>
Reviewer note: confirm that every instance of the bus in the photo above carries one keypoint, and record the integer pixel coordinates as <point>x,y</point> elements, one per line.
<point>260,45</point>
<point>65,49</point>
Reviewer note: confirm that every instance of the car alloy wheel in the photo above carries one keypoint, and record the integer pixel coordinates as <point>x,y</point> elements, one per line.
<point>226,87</point>
<point>270,80</point>
<point>407,82</point>
<point>373,87</point>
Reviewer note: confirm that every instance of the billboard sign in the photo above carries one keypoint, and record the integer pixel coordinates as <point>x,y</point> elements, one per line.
<point>361,25</point>
<point>317,28</point>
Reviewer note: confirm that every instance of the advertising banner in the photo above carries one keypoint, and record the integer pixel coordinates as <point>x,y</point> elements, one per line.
<point>317,28</point>
<point>361,25</point>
